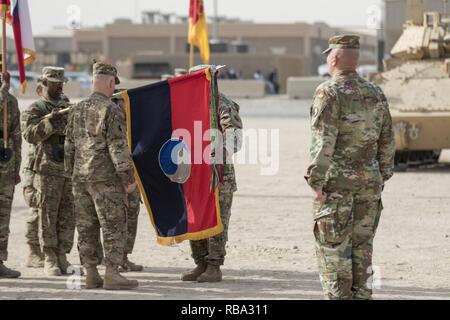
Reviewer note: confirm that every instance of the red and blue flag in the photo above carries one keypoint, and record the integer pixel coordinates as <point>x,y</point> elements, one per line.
<point>171,120</point>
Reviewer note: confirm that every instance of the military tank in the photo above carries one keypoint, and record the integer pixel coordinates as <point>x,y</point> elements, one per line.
<point>417,84</point>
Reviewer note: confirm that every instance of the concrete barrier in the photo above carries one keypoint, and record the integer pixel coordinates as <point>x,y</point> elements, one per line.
<point>231,88</point>
<point>242,88</point>
<point>302,87</point>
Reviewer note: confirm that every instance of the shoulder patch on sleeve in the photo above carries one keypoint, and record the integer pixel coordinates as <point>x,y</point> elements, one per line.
<point>323,97</point>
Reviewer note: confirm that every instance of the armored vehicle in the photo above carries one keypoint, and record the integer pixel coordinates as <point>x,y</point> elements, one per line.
<point>417,84</point>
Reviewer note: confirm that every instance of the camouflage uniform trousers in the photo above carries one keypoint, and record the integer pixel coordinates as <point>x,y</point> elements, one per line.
<point>56,212</point>
<point>132,219</point>
<point>100,205</point>
<point>7,187</point>
<point>29,194</point>
<point>132,222</point>
<point>344,229</point>
<point>212,250</point>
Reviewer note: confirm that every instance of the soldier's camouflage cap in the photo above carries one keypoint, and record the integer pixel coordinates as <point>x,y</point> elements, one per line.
<point>344,41</point>
<point>107,69</point>
<point>53,74</point>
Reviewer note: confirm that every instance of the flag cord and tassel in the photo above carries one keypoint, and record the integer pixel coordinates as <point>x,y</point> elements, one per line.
<point>214,123</point>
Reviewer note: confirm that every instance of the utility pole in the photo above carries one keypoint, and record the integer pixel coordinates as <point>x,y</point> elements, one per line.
<point>380,39</point>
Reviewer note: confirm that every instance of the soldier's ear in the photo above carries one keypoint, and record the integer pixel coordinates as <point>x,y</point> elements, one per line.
<point>334,60</point>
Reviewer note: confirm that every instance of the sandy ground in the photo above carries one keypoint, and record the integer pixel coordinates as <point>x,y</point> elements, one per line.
<point>271,245</point>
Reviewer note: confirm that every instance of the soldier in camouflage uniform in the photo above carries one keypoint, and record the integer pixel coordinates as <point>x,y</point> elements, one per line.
<point>54,198</point>
<point>209,254</point>
<point>134,204</point>
<point>35,256</point>
<point>99,162</point>
<point>352,156</point>
<point>9,170</point>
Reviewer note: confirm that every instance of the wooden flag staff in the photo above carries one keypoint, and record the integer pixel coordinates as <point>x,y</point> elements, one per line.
<point>4,70</point>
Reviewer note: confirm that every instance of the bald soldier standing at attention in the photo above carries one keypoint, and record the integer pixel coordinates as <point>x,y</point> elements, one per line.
<point>352,156</point>
<point>97,158</point>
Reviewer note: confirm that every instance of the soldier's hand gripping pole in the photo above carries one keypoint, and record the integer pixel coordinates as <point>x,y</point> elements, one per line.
<point>5,152</point>
<point>60,112</point>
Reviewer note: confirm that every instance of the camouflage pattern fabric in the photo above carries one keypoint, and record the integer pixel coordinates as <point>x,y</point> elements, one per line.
<point>96,131</point>
<point>8,170</point>
<point>47,136</point>
<point>100,205</point>
<point>352,156</point>
<point>53,74</point>
<point>29,194</point>
<point>231,127</point>
<point>105,69</point>
<point>56,212</point>
<point>32,228</point>
<point>53,188</point>
<point>132,219</point>
<point>6,198</point>
<point>212,250</point>
<point>343,41</point>
<point>98,159</point>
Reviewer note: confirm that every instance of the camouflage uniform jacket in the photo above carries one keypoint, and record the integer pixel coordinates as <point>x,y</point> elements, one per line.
<point>47,136</point>
<point>352,135</point>
<point>96,147</point>
<point>14,134</point>
<point>231,127</point>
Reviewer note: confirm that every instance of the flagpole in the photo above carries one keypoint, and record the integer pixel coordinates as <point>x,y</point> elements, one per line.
<point>4,70</point>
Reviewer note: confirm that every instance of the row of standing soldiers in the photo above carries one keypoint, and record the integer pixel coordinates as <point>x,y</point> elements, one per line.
<point>78,174</point>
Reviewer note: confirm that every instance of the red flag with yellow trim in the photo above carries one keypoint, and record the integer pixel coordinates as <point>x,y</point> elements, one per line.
<point>18,15</point>
<point>198,31</point>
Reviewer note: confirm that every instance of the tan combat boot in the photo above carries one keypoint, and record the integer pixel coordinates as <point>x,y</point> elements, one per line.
<point>115,281</point>
<point>63,264</point>
<point>129,266</point>
<point>51,263</point>
<point>8,273</point>
<point>35,257</point>
<point>212,274</point>
<point>93,279</point>
<point>195,273</point>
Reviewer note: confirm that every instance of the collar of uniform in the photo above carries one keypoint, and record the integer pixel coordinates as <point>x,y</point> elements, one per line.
<point>99,94</point>
<point>53,103</point>
<point>345,73</point>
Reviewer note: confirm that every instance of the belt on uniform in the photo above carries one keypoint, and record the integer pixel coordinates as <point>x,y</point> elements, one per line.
<point>55,140</point>
<point>57,143</point>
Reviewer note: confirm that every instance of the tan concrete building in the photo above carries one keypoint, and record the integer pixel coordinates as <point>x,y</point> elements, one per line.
<point>151,49</point>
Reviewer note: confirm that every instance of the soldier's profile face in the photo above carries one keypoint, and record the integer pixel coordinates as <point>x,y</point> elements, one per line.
<point>54,89</point>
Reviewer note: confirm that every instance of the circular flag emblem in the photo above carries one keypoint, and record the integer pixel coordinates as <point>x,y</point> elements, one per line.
<point>175,160</point>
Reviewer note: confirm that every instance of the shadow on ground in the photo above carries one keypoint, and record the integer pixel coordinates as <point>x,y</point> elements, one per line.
<point>164,283</point>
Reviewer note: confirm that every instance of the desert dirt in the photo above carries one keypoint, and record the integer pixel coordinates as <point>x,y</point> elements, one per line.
<point>271,245</point>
